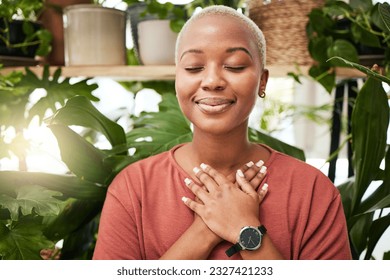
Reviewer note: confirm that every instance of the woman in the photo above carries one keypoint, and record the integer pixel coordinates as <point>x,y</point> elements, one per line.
<point>185,203</point>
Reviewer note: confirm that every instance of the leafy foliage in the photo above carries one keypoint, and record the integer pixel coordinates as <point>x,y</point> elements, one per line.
<point>16,110</point>
<point>28,11</point>
<point>370,121</point>
<point>346,30</point>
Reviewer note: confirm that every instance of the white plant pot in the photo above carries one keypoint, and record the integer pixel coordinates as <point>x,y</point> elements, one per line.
<point>94,35</point>
<point>156,42</point>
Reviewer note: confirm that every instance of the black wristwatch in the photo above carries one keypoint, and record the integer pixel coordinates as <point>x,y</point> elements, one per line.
<point>249,239</point>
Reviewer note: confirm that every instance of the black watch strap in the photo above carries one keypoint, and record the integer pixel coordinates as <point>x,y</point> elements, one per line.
<point>233,249</point>
<point>262,229</point>
<point>237,247</point>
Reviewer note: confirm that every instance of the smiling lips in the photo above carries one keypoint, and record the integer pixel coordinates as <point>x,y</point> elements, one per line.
<point>212,105</point>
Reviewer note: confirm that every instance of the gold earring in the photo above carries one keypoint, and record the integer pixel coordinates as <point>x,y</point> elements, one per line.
<point>262,94</point>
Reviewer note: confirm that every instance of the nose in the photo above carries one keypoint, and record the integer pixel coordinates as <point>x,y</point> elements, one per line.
<point>213,79</point>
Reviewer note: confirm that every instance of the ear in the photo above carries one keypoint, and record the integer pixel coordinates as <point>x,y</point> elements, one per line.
<point>263,81</point>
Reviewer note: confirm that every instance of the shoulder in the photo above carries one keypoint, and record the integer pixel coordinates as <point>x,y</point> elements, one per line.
<point>299,174</point>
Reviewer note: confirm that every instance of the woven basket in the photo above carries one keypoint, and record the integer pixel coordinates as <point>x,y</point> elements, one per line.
<point>283,23</point>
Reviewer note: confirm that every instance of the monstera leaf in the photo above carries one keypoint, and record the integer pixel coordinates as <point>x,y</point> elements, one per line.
<point>23,240</point>
<point>32,200</point>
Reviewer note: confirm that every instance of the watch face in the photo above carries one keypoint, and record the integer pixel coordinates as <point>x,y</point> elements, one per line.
<point>250,238</point>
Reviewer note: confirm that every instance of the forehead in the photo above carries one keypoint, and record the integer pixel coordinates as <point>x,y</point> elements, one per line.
<point>217,29</point>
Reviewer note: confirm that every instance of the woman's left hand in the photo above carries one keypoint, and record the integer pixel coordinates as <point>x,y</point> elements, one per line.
<point>223,206</point>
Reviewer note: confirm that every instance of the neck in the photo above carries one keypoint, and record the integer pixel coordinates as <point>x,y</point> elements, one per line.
<point>226,153</point>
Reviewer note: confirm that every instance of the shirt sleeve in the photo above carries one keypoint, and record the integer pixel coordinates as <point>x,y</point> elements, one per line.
<point>118,237</point>
<point>326,234</point>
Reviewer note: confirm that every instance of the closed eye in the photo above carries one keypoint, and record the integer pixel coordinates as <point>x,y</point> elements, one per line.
<point>194,69</point>
<point>234,68</point>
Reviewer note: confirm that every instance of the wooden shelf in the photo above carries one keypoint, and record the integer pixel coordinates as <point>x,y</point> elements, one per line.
<point>148,73</point>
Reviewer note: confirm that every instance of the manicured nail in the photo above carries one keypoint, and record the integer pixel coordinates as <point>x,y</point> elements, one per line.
<point>250,164</point>
<point>203,166</point>
<point>187,181</point>
<point>265,187</point>
<point>184,199</point>
<point>259,163</point>
<point>263,169</point>
<point>239,172</point>
<point>196,170</point>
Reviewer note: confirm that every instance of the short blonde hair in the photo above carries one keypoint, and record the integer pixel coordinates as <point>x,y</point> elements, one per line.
<point>230,12</point>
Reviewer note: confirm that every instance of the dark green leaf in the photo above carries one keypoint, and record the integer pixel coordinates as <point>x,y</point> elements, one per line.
<point>81,157</point>
<point>75,215</point>
<point>370,119</point>
<point>358,232</point>
<point>69,186</point>
<point>344,49</point>
<point>30,200</point>
<point>23,240</point>
<point>377,229</point>
<point>79,111</point>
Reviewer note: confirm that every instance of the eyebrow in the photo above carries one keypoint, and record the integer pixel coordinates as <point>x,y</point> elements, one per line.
<point>229,50</point>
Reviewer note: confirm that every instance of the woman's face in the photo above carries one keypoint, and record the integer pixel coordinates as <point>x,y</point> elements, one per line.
<point>218,74</point>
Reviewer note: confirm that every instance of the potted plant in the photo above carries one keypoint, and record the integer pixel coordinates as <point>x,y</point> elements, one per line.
<point>157,24</point>
<point>351,30</point>
<point>94,35</point>
<point>20,33</point>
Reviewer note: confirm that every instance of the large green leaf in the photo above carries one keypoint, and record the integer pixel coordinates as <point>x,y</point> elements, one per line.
<point>69,186</point>
<point>381,192</point>
<point>370,120</point>
<point>58,91</point>
<point>342,48</point>
<point>358,232</point>
<point>23,240</point>
<point>81,157</point>
<point>166,128</point>
<point>79,111</point>
<point>75,215</point>
<point>377,229</point>
<point>32,200</point>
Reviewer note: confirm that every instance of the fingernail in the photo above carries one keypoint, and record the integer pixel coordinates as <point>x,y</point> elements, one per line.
<point>203,166</point>
<point>265,187</point>
<point>184,199</point>
<point>250,164</point>
<point>196,170</point>
<point>263,169</point>
<point>187,181</point>
<point>239,172</point>
<point>259,163</point>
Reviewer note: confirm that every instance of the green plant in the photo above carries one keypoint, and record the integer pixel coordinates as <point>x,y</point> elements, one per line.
<point>28,11</point>
<point>364,204</point>
<point>17,111</point>
<point>178,14</point>
<point>341,29</point>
